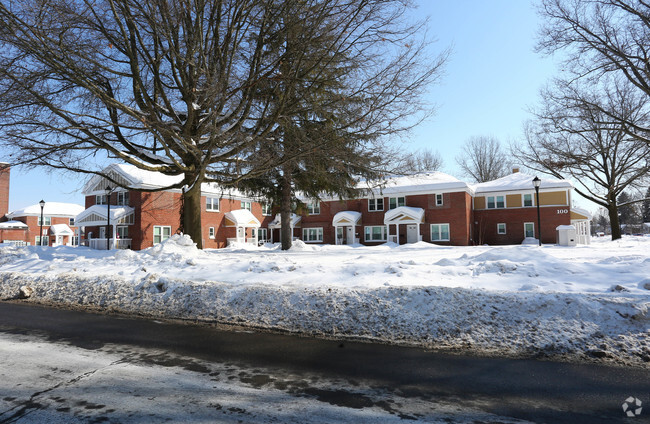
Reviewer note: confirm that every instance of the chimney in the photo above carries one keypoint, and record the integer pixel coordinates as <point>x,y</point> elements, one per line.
<point>515,170</point>
<point>4,189</point>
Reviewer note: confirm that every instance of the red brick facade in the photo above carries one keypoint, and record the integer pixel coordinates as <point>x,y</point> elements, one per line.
<point>4,189</point>
<point>486,224</point>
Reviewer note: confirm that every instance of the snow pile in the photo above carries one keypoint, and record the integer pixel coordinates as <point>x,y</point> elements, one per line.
<point>566,302</point>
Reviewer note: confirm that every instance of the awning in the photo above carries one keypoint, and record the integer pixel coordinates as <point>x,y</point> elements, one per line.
<point>96,216</point>
<point>346,218</point>
<point>241,218</point>
<point>277,221</point>
<point>61,230</point>
<point>404,215</point>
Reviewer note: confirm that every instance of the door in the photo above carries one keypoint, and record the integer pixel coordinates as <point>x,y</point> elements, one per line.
<point>350,235</point>
<point>241,234</point>
<point>412,233</point>
<point>339,235</point>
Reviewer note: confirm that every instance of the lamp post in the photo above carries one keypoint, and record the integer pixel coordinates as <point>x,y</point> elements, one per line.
<point>108,216</point>
<point>536,183</point>
<point>40,239</point>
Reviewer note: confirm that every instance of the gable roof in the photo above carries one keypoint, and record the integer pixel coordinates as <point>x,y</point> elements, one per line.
<point>519,181</point>
<point>67,210</point>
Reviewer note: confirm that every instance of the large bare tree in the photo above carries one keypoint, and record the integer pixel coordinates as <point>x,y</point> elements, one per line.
<point>483,159</point>
<point>194,88</point>
<point>570,137</point>
<point>601,37</point>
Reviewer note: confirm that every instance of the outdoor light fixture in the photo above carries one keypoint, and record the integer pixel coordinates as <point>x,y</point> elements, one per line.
<point>40,240</point>
<point>536,183</point>
<point>108,215</point>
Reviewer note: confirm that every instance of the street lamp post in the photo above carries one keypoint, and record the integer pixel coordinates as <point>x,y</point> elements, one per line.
<point>108,216</point>
<point>536,183</point>
<point>40,239</point>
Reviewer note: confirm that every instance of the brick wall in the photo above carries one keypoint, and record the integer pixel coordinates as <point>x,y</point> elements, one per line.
<point>486,224</point>
<point>4,190</point>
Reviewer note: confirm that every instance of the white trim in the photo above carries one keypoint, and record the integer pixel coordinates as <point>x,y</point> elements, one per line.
<point>162,233</point>
<point>369,227</point>
<point>533,224</point>
<point>440,225</point>
<point>442,199</point>
<point>319,232</point>
<point>374,200</point>
<point>505,228</point>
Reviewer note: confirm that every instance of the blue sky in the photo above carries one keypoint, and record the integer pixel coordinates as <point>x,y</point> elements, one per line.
<point>490,79</point>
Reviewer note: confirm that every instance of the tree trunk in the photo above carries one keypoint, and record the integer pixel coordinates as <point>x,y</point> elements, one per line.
<point>191,214</point>
<point>614,223</point>
<point>285,210</point>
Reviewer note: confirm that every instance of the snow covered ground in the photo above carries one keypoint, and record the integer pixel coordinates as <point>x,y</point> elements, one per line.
<point>575,303</point>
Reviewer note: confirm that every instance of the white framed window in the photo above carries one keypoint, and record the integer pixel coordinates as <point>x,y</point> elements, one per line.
<point>262,235</point>
<point>212,204</point>
<point>71,222</point>
<point>527,200</point>
<point>529,229</point>
<point>313,207</point>
<point>438,199</point>
<point>161,233</point>
<point>376,204</point>
<point>440,232</point>
<point>376,233</point>
<point>101,199</point>
<point>266,208</point>
<point>501,228</point>
<point>245,205</point>
<point>37,241</point>
<point>123,232</point>
<point>211,232</point>
<point>123,198</point>
<point>47,219</point>
<point>395,202</point>
<point>312,235</point>
<point>496,202</point>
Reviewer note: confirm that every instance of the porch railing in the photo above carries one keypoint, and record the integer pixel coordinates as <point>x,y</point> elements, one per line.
<point>100,243</point>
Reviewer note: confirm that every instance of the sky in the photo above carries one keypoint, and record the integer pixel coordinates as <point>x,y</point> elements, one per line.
<point>491,78</point>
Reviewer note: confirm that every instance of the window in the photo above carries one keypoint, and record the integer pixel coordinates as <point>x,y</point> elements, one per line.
<point>100,199</point>
<point>245,205</point>
<point>211,232</point>
<point>496,202</point>
<point>37,241</point>
<point>529,229</point>
<point>262,235</point>
<point>72,222</point>
<point>123,198</point>
<point>438,199</point>
<point>313,208</point>
<point>376,204</point>
<point>212,204</point>
<point>528,200</point>
<point>394,202</point>
<point>376,233</point>
<point>266,209</point>
<point>312,234</point>
<point>501,228</point>
<point>439,232</point>
<point>47,219</point>
<point>161,233</point>
<point>123,232</point>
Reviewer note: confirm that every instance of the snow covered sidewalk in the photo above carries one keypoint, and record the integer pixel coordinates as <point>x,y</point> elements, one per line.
<point>587,302</point>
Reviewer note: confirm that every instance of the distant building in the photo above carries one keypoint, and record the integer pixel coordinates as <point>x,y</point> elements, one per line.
<point>59,228</point>
<point>432,207</point>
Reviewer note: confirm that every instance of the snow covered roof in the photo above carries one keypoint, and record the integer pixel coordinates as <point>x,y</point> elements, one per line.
<point>404,215</point>
<point>96,215</point>
<point>61,230</point>
<point>583,212</point>
<point>13,225</point>
<point>277,221</point>
<point>425,182</point>
<point>519,181</point>
<point>346,218</point>
<point>241,218</point>
<point>50,209</point>
<point>139,179</point>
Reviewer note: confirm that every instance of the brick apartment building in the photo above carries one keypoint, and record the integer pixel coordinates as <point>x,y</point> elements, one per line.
<point>432,207</point>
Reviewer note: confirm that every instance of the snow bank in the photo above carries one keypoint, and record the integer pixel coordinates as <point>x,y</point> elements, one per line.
<point>575,303</point>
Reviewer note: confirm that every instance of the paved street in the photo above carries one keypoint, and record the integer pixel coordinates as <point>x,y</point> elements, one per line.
<point>69,366</point>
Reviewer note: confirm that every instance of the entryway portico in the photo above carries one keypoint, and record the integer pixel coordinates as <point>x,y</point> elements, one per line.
<point>404,215</point>
<point>345,224</point>
<point>242,219</point>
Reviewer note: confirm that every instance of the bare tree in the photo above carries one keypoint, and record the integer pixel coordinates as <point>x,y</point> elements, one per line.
<point>483,159</point>
<point>601,37</point>
<point>192,88</point>
<point>571,138</point>
<point>421,161</point>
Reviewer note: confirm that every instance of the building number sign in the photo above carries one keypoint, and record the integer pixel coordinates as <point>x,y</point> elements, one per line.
<point>562,211</point>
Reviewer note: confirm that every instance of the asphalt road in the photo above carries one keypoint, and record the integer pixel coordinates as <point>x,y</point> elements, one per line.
<point>529,390</point>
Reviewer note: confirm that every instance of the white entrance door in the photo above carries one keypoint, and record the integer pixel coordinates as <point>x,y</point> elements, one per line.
<point>241,234</point>
<point>339,235</point>
<point>350,234</point>
<point>412,233</point>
